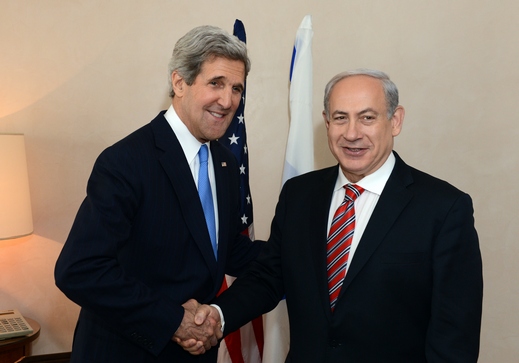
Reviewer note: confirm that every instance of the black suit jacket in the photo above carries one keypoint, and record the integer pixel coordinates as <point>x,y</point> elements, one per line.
<point>413,292</point>
<point>139,248</point>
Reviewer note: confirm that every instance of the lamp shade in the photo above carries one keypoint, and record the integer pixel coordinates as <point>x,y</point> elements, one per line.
<point>15,199</point>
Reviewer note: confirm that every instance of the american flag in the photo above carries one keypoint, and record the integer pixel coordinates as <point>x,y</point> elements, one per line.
<point>246,344</point>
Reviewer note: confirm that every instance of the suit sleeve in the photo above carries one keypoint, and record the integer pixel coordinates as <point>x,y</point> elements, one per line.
<point>243,252</point>
<point>88,270</point>
<point>454,330</point>
<point>260,288</point>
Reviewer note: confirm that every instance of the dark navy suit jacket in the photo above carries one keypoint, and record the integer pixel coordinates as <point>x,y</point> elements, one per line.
<point>139,248</point>
<point>413,292</point>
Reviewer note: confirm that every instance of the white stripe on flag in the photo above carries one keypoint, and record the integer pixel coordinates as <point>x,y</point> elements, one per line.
<point>299,156</point>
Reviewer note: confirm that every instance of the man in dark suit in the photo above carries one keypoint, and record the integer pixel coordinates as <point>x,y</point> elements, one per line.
<point>140,246</point>
<point>412,290</point>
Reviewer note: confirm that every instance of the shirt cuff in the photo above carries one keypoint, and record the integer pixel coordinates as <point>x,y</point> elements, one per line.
<point>222,320</point>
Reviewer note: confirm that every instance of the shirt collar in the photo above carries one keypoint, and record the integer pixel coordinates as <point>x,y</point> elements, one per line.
<point>190,145</point>
<point>373,182</point>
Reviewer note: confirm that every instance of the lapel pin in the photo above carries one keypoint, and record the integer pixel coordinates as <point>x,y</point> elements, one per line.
<point>224,164</point>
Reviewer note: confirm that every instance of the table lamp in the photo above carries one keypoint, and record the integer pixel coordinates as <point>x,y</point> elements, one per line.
<point>15,199</point>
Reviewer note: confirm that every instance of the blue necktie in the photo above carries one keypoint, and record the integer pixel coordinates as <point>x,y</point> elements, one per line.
<point>206,197</point>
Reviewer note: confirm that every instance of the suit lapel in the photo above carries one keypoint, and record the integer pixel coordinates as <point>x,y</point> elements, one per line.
<point>392,202</point>
<point>179,174</point>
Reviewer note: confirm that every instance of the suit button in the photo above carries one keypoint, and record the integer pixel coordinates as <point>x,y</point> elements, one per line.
<point>334,343</point>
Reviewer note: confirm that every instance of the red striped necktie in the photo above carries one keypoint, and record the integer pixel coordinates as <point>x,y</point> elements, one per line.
<point>339,241</point>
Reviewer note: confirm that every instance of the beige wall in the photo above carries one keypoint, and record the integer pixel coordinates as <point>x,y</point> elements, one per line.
<point>75,76</point>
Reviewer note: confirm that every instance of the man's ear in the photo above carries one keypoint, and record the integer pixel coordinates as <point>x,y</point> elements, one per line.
<point>397,121</point>
<point>178,84</point>
<point>326,122</point>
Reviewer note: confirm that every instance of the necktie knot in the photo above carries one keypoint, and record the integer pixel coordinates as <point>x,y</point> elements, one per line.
<point>353,191</point>
<point>202,153</point>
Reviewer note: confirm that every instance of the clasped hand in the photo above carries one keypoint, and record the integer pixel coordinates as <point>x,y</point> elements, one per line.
<point>200,329</point>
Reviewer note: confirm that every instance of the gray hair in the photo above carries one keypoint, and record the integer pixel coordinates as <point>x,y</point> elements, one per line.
<point>201,44</point>
<point>390,89</point>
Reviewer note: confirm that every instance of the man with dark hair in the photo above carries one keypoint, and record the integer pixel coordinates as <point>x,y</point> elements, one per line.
<point>160,223</point>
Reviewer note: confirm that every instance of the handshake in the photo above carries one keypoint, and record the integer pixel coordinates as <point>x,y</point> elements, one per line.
<point>200,329</point>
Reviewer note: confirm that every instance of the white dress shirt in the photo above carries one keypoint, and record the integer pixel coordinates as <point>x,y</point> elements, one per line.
<point>191,146</point>
<point>373,185</point>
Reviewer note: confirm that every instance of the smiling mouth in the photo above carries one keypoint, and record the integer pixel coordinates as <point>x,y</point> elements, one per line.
<point>217,114</point>
<point>354,149</point>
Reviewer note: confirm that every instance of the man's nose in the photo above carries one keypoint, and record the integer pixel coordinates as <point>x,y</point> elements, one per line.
<point>226,98</point>
<point>351,130</point>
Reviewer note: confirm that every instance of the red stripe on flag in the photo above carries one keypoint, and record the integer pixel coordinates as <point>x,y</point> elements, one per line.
<point>223,287</point>
<point>233,343</point>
